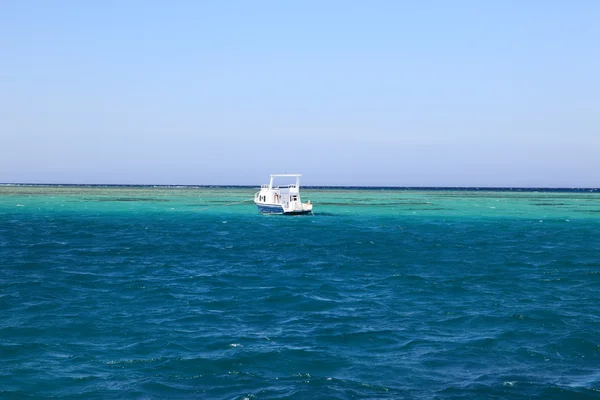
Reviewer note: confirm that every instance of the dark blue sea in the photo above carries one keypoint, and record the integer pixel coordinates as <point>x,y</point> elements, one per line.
<point>190,293</point>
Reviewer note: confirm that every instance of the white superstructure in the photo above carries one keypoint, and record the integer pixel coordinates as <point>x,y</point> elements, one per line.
<point>281,199</point>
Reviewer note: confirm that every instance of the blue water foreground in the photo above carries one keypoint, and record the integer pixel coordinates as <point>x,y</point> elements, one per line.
<point>179,292</point>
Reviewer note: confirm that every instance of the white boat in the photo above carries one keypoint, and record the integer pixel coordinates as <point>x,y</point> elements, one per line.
<point>281,199</point>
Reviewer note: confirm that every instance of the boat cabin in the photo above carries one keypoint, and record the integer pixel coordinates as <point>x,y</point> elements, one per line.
<point>273,199</point>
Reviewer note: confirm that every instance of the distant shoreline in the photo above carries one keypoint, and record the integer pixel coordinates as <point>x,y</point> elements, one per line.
<point>330,187</point>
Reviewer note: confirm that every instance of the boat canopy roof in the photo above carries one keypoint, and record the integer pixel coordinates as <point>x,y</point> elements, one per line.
<point>290,175</point>
<point>273,176</point>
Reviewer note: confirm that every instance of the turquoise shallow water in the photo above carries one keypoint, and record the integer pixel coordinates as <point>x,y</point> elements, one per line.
<point>151,293</point>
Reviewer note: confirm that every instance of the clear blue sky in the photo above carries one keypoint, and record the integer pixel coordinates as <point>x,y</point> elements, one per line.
<point>418,93</point>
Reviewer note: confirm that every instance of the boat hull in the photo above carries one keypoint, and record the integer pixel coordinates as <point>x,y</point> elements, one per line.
<point>270,208</point>
<point>278,209</point>
<point>298,212</point>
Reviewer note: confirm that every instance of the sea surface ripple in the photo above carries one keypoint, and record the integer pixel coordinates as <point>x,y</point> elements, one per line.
<point>190,293</point>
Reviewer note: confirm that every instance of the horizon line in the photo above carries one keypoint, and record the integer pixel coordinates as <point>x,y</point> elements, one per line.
<point>304,186</point>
